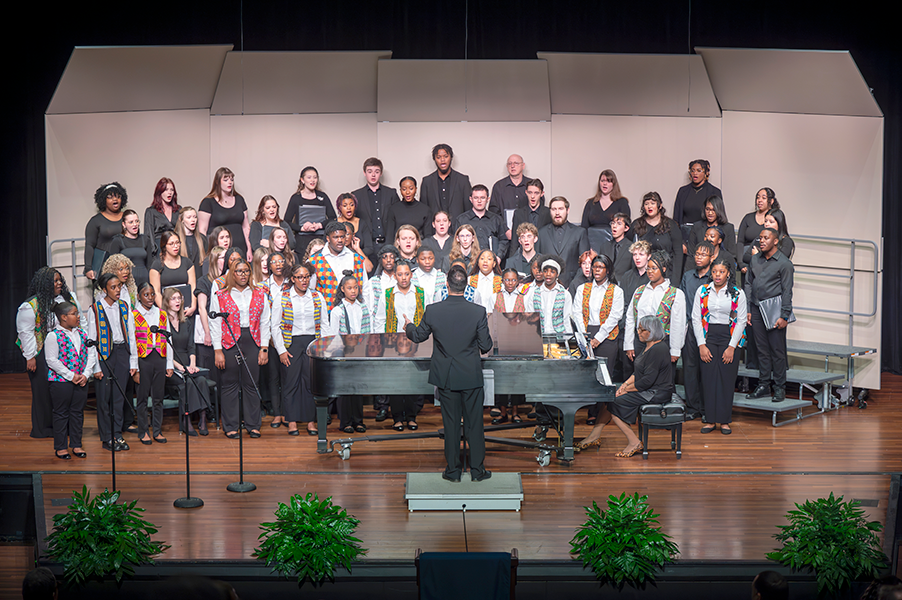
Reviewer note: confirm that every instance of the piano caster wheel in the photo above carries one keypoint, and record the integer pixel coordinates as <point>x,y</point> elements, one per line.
<point>544,458</point>
<point>539,434</point>
<point>345,452</point>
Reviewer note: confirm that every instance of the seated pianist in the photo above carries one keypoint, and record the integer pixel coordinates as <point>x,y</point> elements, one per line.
<point>650,383</point>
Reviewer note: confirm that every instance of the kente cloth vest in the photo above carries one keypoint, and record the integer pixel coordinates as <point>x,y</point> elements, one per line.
<point>606,305</point>
<point>734,305</point>
<point>287,323</point>
<point>326,280</point>
<point>663,312</point>
<point>518,303</point>
<point>231,330</point>
<point>496,282</point>
<point>391,317</point>
<point>74,361</point>
<point>557,309</point>
<point>104,335</point>
<point>38,332</point>
<point>146,341</point>
<point>344,321</point>
<point>441,284</point>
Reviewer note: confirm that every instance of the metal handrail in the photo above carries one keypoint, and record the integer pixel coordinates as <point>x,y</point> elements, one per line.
<point>72,242</point>
<point>850,276</point>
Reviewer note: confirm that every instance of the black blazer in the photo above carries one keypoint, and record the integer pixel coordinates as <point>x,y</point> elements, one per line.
<point>624,260</point>
<point>575,242</point>
<point>458,199</point>
<point>461,332</point>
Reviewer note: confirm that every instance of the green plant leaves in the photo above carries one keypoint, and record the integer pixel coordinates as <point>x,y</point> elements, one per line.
<point>622,545</point>
<point>97,537</point>
<point>832,538</point>
<point>309,539</point>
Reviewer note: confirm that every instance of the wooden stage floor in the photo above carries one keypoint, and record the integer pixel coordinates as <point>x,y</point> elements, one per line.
<point>722,501</point>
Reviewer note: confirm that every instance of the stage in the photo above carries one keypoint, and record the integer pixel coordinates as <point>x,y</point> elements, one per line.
<point>721,502</point>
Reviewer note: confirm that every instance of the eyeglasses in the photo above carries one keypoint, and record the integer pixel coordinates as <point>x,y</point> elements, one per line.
<point>301,277</point>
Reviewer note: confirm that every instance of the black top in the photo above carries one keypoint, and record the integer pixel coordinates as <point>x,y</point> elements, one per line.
<point>365,235</point>
<point>670,242</point>
<point>230,218</point>
<point>260,232</point>
<point>407,213</point>
<point>516,261</point>
<point>374,207</point>
<point>749,230</point>
<point>193,252</point>
<point>539,217</point>
<point>139,251</point>
<point>183,341</point>
<point>619,253</point>
<point>303,239</point>
<point>204,286</point>
<point>697,234</point>
<point>689,205</point>
<point>441,254</point>
<point>768,278</point>
<point>461,333</point>
<point>175,277</point>
<point>450,194</point>
<point>594,216</point>
<point>578,280</point>
<point>507,196</point>
<point>568,241</point>
<point>690,284</point>
<point>489,225</point>
<point>629,283</point>
<point>653,371</point>
<point>155,223</point>
<point>99,234</point>
<point>786,246</point>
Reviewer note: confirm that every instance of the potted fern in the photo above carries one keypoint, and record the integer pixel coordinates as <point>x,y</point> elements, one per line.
<point>309,540</point>
<point>623,545</point>
<point>832,538</point>
<point>98,538</point>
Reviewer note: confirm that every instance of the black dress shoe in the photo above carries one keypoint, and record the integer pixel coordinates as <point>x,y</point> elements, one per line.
<point>313,432</point>
<point>122,445</point>
<point>499,420</point>
<point>192,432</point>
<point>381,415</point>
<point>447,477</point>
<point>66,456</point>
<point>275,424</point>
<point>132,429</point>
<point>591,421</point>
<point>744,385</point>
<point>147,442</point>
<point>232,436</point>
<point>361,428</point>
<point>495,412</point>
<point>762,391</point>
<point>398,426</point>
<point>160,439</point>
<point>203,431</point>
<point>80,454</point>
<point>691,415</point>
<point>779,395</point>
<point>294,432</point>
<point>254,434</point>
<point>486,474</point>
<point>112,447</point>
<point>412,425</point>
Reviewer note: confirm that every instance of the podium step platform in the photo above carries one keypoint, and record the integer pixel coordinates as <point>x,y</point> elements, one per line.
<point>428,491</point>
<point>767,404</point>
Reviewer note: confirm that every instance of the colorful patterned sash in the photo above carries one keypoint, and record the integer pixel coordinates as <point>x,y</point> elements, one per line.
<point>344,322</point>
<point>104,335</point>
<point>606,306</point>
<point>74,361</point>
<point>38,331</point>
<point>557,309</point>
<point>326,280</point>
<point>146,341</point>
<point>734,305</point>
<point>496,282</point>
<point>287,324</point>
<point>391,317</point>
<point>518,303</point>
<point>664,309</point>
<point>232,332</point>
<point>441,284</point>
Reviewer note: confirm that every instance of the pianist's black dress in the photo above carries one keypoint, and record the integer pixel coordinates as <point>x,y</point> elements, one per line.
<point>654,383</point>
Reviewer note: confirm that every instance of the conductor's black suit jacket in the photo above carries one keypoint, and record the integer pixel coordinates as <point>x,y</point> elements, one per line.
<point>461,333</point>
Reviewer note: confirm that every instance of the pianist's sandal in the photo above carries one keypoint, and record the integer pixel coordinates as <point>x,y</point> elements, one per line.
<point>583,444</point>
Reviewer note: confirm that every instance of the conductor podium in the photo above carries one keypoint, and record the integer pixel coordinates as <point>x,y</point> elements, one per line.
<point>389,363</point>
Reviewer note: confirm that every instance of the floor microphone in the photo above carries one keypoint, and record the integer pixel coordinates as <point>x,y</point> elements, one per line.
<point>463,508</point>
<point>158,331</point>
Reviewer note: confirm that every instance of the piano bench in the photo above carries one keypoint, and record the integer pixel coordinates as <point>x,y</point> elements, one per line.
<point>663,416</point>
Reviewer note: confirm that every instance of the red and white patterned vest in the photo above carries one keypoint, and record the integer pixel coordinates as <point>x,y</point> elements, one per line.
<point>227,304</point>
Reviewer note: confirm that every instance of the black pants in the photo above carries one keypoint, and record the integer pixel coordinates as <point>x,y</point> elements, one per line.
<point>466,403</point>
<point>206,359</point>
<point>235,376</point>
<point>271,384</point>
<point>718,379</point>
<point>608,349</point>
<point>297,400</point>
<point>68,413</point>
<point>106,390</point>
<point>403,407</point>
<point>771,344</point>
<point>692,378</point>
<point>152,382</point>
<point>41,406</point>
<point>350,411</point>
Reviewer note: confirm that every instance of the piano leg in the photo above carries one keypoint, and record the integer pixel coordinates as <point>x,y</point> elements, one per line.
<point>567,434</point>
<point>322,415</point>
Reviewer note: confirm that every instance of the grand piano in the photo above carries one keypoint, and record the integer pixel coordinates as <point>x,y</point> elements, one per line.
<point>520,362</point>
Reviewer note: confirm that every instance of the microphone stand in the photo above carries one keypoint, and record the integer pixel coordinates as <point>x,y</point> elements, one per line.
<point>112,375</point>
<point>241,485</point>
<point>188,501</point>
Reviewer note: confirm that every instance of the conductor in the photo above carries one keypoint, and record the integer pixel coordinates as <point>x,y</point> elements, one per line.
<point>461,334</point>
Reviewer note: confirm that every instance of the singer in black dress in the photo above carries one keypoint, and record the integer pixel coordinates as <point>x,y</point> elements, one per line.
<point>193,395</point>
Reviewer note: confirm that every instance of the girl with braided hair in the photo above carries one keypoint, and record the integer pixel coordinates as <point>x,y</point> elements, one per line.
<point>34,320</point>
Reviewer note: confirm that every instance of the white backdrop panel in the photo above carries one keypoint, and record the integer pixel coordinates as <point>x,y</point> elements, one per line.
<point>646,153</point>
<point>827,173</point>
<point>85,151</point>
